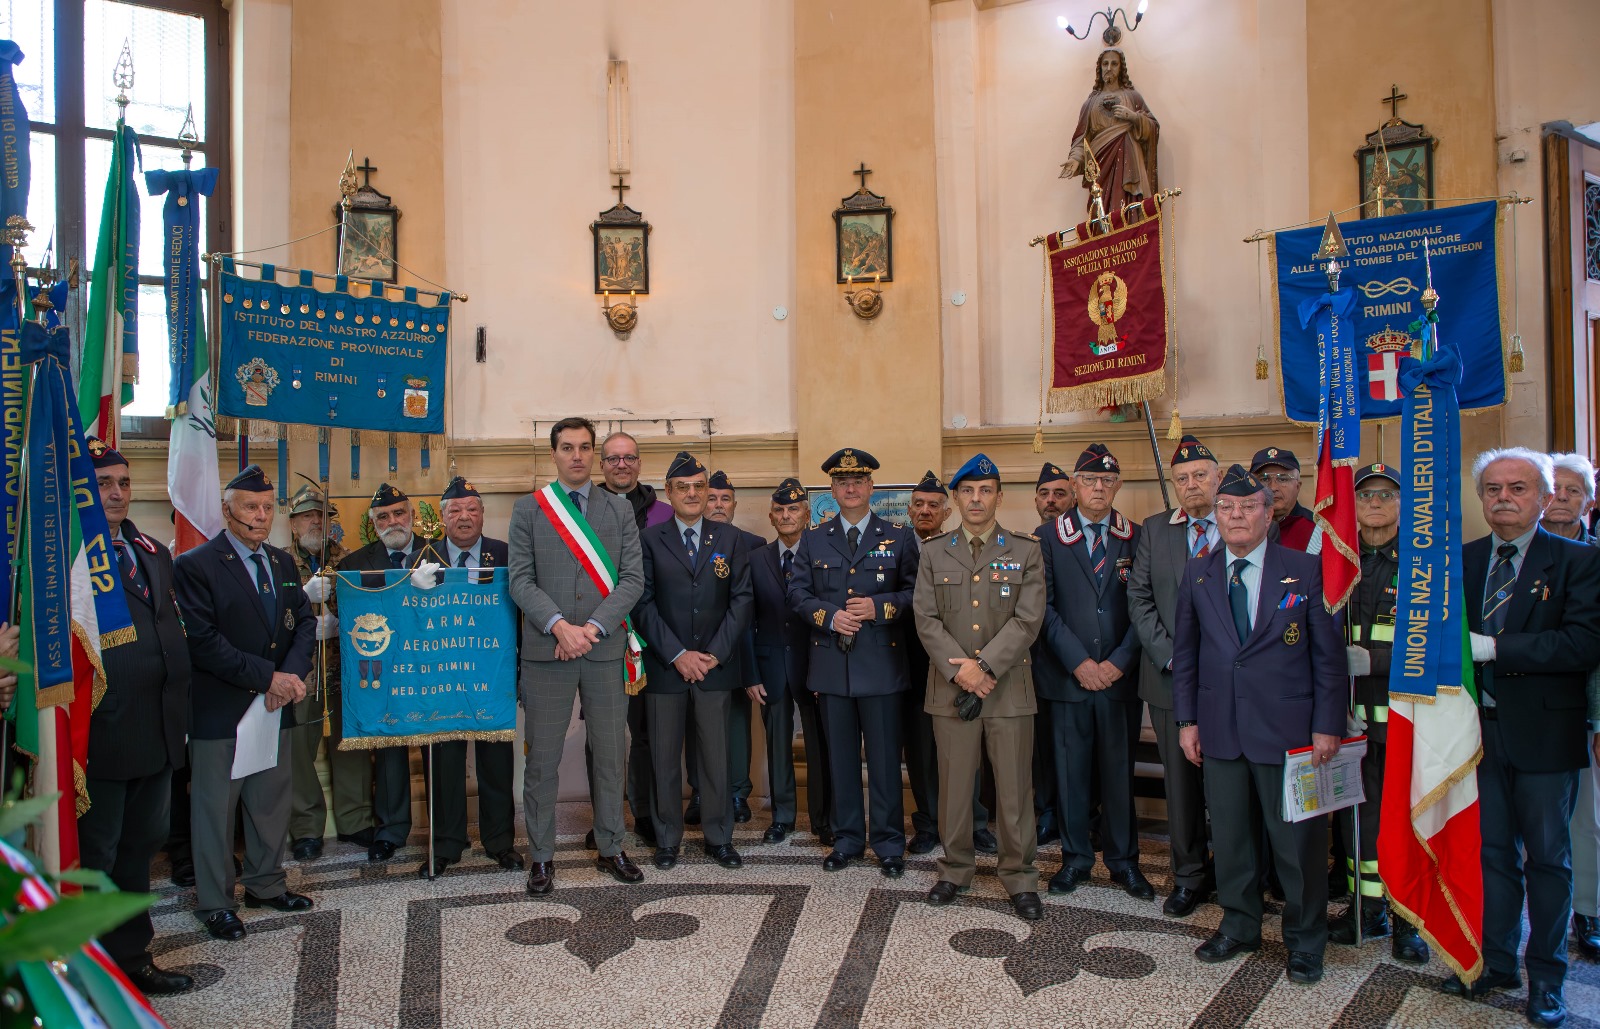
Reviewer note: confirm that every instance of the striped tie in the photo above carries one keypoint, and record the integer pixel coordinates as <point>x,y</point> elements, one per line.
<point>1097,550</point>
<point>1200,546</point>
<point>1497,591</point>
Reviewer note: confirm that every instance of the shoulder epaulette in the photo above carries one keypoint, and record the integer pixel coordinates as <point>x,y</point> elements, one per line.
<point>1025,536</point>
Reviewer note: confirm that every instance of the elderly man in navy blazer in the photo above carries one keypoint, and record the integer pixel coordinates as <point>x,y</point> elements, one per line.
<point>1533,606</point>
<point>854,576</point>
<point>1087,666</point>
<point>1258,669</point>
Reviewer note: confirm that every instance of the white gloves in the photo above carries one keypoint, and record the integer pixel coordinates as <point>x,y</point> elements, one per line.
<point>1360,659</point>
<point>318,588</point>
<point>426,575</point>
<point>1482,648</point>
<point>327,627</point>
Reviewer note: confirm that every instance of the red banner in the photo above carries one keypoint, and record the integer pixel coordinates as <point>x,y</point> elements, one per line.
<point>1107,329</point>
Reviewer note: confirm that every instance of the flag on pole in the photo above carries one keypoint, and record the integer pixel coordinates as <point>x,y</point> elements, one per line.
<point>111,336</point>
<point>193,481</point>
<point>1429,839</point>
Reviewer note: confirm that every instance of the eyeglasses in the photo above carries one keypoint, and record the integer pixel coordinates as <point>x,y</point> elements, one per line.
<point>616,459</point>
<point>1229,508</point>
<point>1281,478</point>
<point>1385,495</point>
<point>1107,481</point>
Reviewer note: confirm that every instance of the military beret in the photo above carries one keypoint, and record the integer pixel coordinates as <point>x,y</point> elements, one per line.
<point>1051,473</point>
<point>1096,458</point>
<point>251,480</point>
<point>388,495</point>
<point>1237,482</point>
<point>1274,455</point>
<point>978,466</point>
<point>789,491</point>
<point>850,461</point>
<point>719,480</point>
<point>685,465</point>
<point>102,453</point>
<point>930,484</point>
<point>459,488</point>
<point>1191,449</point>
<point>1376,471</point>
<point>308,498</point>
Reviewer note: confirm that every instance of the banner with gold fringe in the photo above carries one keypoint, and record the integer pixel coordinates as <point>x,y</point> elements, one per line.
<point>1107,318</point>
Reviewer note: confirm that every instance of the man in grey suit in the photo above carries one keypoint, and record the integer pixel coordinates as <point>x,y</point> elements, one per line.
<point>574,642</point>
<point>1166,542</point>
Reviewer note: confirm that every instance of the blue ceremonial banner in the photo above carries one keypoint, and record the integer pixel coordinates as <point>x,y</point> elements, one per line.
<point>16,163</point>
<point>426,666</point>
<point>180,233</point>
<point>1386,274</point>
<point>298,355</point>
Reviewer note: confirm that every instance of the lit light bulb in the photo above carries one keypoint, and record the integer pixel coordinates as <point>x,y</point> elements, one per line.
<point>1062,23</point>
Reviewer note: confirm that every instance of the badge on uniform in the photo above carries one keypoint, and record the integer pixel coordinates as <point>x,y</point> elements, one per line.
<point>719,565</point>
<point>1005,591</point>
<point>994,576</point>
<point>888,612</point>
<point>880,578</point>
<point>818,616</point>
<point>288,620</point>
<point>1291,635</point>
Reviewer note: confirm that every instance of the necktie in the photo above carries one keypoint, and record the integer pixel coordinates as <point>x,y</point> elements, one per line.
<point>977,547</point>
<point>788,565</point>
<point>130,568</point>
<point>1097,550</point>
<point>461,562</point>
<point>1200,546</point>
<point>1497,591</point>
<point>1239,599</point>
<point>688,544</point>
<point>397,559</point>
<point>313,563</point>
<point>853,537</point>
<point>264,585</point>
<point>577,500</point>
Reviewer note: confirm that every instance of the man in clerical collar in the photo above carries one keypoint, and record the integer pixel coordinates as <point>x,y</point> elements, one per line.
<point>1280,470</point>
<point>1568,513</point>
<point>1053,493</point>
<point>620,467</point>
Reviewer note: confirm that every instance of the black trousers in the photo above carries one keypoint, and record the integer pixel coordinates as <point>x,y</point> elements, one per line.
<point>701,715</point>
<point>120,835</point>
<point>177,846</point>
<point>493,762</point>
<point>738,748</point>
<point>1044,770</point>
<point>819,775</point>
<point>1186,805</point>
<point>873,722</point>
<point>1094,743</point>
<point>391,794</point>
<point>777,722</point>
<point>1246,801</point>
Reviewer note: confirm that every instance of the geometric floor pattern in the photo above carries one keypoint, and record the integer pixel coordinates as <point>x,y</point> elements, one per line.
<point>778,943</point>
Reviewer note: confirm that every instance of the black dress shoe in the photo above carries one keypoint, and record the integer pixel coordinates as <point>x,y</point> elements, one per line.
<point>1587,932</point>
<point>380,850</point>
<point>588,840</point>
<point>308,848</point>
<point>183,875</point>
<point>836,862</point>
<point>1027,907</point>
<point>151,979</point>
<point>777,832</point>
<point>922,842</point>
<point>1546,1006</point>
<point>1304,967</point>
<point>437,868</point>
<point>1489,980</point>
<point>1068,879</point>
<point>1182,902</point>
<point>1049,834</point>
<point>741,810</point>
<point>361,837</point>
<point>1221,948</point>
<point>284,901</point>
<point>983,842</point>
<point>508,859</point>
<point>724,855</point>
<point>541,878</point>
<point>225,925</point>
<point>618,867</point>
<point>1408,945</point>
<point>665,858</point>
<point>1134,883</point>
<point>944,892</point>
<point>691,814</point>
<point>1374,923</point>
<point>892,867</point>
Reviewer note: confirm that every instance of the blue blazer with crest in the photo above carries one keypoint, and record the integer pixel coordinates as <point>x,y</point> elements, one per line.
<point>1085,620</point>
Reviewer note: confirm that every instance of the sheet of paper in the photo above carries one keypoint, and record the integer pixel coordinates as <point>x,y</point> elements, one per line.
<point>256,740</point>
<point>1311,790</point>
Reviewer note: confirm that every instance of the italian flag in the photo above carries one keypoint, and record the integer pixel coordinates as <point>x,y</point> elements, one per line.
<point>193,482</point>
<point>110,344</point>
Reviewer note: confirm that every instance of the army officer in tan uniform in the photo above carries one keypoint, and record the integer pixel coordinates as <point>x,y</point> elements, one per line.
<point>979,604</point>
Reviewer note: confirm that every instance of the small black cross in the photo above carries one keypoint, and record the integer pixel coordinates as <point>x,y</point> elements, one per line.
<point>863,171</point>
<point>620,188</point>
<point>1393,100</point>
<point>366,168</point>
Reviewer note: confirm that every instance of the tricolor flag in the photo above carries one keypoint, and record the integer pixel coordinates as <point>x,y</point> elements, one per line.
<point>111,337</point>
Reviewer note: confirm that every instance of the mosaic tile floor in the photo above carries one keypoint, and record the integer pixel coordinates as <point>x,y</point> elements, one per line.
<point>778,943</point>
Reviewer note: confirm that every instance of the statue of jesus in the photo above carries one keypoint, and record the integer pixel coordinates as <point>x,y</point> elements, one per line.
<point>1119,130</point>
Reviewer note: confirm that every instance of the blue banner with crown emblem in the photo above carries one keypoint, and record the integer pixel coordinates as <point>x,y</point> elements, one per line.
<point>297,354</point>
<point>1387,275</point>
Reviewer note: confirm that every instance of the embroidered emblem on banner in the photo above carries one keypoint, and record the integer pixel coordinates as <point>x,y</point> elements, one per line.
<point>258,379</point>
<point>370,635</point>
<point>1108,301</point>
<point>416,398</point>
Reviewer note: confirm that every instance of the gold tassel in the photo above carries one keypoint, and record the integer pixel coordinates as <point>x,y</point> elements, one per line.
<point>1175,427</point>
<point>1515,363</point>
<point>1261,368</point>
<point>1038,440</point>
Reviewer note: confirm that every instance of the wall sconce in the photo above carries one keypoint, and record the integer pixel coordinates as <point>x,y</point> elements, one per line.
<point>867,301</point>
<point>622,316</point>
<point>863,242</point>
<point>1112,35</point>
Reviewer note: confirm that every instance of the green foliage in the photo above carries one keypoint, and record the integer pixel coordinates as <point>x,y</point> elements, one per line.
<point>66,925</point>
